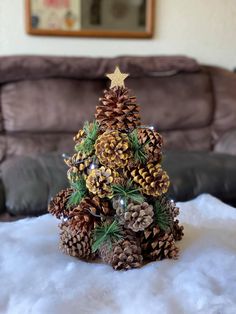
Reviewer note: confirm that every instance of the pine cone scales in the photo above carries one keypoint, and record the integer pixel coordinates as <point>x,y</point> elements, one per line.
<point>157,245</point>
<point>125,254</point>
<point>112,149</point>
<point>75,242</point>
<point>152,179</point>
<point>137,217</point>
<point>58,205</point>
<point>117,110</point>
<point>154,143</point>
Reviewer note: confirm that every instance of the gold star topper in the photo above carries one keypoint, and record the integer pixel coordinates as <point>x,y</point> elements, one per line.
<point>117,78</point>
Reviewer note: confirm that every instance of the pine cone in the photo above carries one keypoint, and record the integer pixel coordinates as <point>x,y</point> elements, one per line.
<point>79,165</point>
<point>154,145</point>
<point>96,206</point>
<point>157,245</point>
<point>117,110</point>
<point>124,255</point>
<point>79,137</point>
<point>75,241</point>
<point>178,231</point>
<point>100,180</point>
<point>112,149</point>
<point>58,205</point>
<point>152,178</point>
<point>137,217</point>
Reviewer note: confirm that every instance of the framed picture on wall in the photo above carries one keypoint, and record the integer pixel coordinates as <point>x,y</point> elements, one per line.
<point>90,18</point>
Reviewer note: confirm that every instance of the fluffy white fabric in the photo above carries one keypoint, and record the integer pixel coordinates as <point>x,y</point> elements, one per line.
<point>36,278</point>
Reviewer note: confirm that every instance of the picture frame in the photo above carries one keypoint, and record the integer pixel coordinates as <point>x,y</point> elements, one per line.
<point>91,18</point>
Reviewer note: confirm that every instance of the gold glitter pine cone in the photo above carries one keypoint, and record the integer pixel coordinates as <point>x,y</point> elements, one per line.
<point>151,178</point>
<point>58,205</point>
<point>112,149</point>
<point>117,110</point>
<point>100,181</point>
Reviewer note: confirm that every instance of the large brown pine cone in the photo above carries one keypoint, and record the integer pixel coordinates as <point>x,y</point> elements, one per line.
<point>117,110</point>
<point>58,205</point>
<point>157,245</point>
<point>77,241</point>
<point>152,179</point>
<point>112,149</point>
<point>136,217</point>
<point>124,255</point>
<point>100,180</point>
<point>154,143</point>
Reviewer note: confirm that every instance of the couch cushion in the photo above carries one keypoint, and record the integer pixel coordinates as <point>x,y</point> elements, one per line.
<point>227,143</point>
<point>193,173</point>
<point>178,102</point>
<point>2,198</point>
<point>17,144</point>
<point>50,105</point>
<point>30,182</point>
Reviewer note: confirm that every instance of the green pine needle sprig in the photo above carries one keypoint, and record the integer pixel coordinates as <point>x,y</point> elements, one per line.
<point>91,134</point>
<point>138,149</point>
<point>128,193</point>
<point>162,217</point>
<point>80,191</point>
<point>106,234</point>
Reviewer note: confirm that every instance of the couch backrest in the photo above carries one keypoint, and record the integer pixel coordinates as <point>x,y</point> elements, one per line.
<point>45,100</point>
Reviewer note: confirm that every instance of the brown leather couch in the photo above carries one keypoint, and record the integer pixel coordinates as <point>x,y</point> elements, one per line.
<point>45,100</point>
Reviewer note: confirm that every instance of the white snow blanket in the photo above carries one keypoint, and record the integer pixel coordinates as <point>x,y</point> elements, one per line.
<point>36,278</point>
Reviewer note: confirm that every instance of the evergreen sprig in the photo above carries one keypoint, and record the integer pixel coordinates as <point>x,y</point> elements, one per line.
<point>138,149</point>
<point>127,192</point>
<point>106,234</point>
<point>80,191</point>
<point>162,217</point>
<point>91,134</point>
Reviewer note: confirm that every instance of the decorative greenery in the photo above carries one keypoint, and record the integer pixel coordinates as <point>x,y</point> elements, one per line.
<point>80,191</point>
<point>162,217</point>
<point>138,149</point>
<point>127,192</point>
<point>106,234</point>
<point>91,134</point>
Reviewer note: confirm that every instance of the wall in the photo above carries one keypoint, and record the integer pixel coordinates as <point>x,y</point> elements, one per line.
<point>204,29</point>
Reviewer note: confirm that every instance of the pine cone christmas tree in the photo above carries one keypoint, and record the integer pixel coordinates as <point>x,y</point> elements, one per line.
<point>58,205</point>
<point>152,178</point>
<point>117,110</point>
<point>136,217</point>
<point>112,149</point>
<point>154,143</point>
<point>157,245</point>
<point>100,180</point>
<point>117,206</point>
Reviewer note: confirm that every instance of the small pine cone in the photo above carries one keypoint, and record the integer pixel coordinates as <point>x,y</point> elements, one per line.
<point>100,180</point>
<point>157,245</point>
<point>152,179</point>
<point>178,231</point>
<point>117,110</point>
<point>79,165</point>
<point>79,137</point>
<point>138,217</point>
<point>154,145</point>
<point>124,255</point>
<point>170,206</point>
<point>112,149</point>
<point>58,205</point>
<point>76,242</point>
